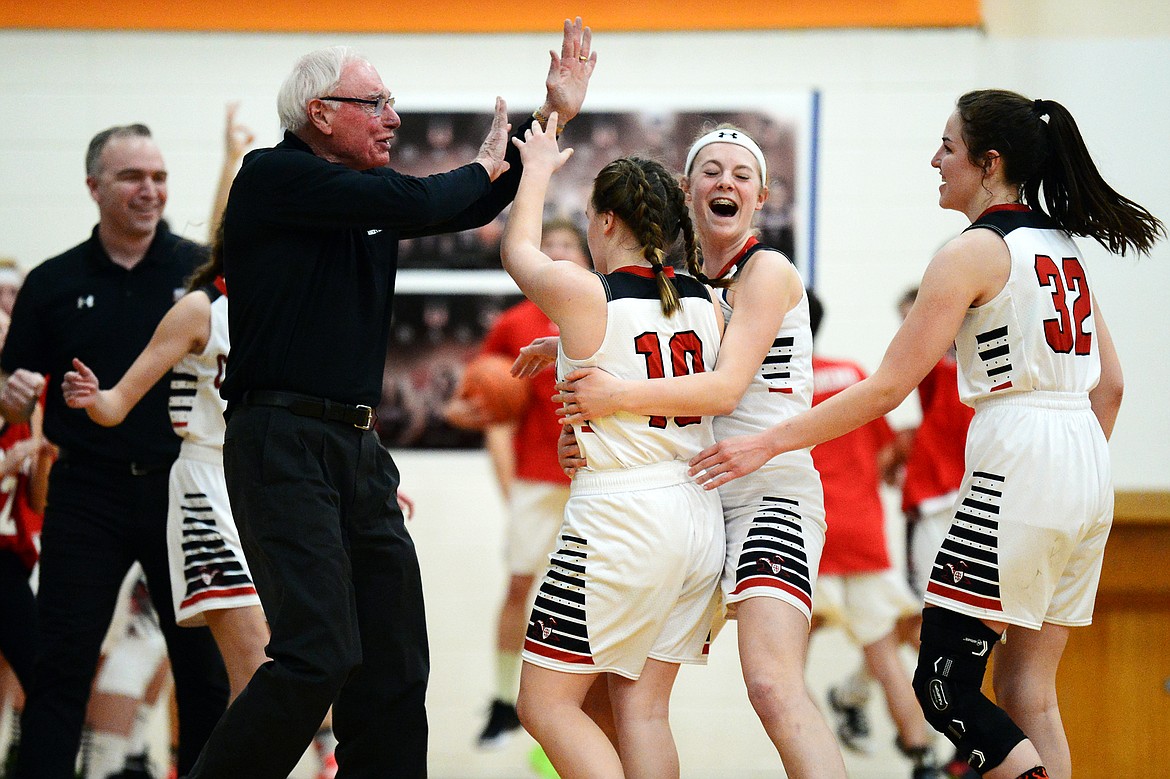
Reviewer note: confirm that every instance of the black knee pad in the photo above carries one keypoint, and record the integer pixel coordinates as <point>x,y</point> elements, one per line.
<point>947,681</point>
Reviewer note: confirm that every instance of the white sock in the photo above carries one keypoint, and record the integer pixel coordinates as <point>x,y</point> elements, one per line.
<point>106,756</point>
<point>140,732</point>
<point>855,689</point>
<point>508,666</point>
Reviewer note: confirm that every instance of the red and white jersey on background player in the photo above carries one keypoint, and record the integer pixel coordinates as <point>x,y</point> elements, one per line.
<point>642,342</point>
<point>934,466</point>
<point>20,526</point>
<point>539,427</point>
<point>856,539</point>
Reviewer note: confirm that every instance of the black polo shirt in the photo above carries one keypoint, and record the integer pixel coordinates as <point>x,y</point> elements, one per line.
<point>81,304</point>
<point>310,257</point>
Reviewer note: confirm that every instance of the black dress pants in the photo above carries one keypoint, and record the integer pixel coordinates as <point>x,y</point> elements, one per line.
<point>317,509</point>
<point>99,520</point>
<point>18,617</point>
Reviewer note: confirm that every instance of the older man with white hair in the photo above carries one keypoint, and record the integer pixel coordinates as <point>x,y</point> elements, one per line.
<point>311,237</point>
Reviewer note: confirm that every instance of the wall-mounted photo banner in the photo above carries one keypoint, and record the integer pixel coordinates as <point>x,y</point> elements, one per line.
<point>502,16</point>
<point>451,288</point>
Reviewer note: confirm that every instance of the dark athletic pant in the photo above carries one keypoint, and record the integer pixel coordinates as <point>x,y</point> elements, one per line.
<point>18,617</point>
<point>99,520</point>
<point>317,509</point>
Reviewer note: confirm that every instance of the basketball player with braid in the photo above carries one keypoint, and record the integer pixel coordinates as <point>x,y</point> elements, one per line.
<point>775,521</point>
<point>1036,362</point>
<point>630,588</point>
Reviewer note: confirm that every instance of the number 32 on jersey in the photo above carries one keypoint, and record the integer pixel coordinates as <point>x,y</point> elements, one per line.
<point>1066,332</point>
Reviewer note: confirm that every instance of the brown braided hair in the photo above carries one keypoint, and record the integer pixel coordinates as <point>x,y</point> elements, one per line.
<point>644,195</point>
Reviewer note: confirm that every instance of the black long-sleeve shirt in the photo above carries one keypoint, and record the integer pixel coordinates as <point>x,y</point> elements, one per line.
<point>310,256</point>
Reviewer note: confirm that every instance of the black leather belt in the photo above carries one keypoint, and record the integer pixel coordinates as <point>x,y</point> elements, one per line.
<point>361,417</point>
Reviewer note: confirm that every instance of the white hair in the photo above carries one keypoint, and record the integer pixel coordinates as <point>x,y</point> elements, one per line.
<point>315,74</point>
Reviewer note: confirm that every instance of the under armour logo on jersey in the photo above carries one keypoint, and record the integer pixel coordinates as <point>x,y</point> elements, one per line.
<point>728,134</point>
<point>956,571</point>
<point>375,231</point>
<point>85,301</point>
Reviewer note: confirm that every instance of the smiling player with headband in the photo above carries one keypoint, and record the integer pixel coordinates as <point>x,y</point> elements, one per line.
<point>775,521</point>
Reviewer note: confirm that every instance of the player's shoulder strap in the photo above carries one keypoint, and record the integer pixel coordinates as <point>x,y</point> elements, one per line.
<point>1005,219</point>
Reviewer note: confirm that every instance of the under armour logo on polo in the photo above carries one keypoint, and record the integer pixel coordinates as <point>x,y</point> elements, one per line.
<point>85,301</point>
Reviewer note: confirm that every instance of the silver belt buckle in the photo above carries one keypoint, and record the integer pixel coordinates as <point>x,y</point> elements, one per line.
<point>370,417</point>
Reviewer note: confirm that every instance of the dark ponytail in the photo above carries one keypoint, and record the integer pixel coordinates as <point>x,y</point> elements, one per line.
<point>212,268</point>
<point>1050,164</point>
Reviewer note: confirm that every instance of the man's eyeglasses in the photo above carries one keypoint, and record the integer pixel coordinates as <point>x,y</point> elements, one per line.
<point>373,107</point>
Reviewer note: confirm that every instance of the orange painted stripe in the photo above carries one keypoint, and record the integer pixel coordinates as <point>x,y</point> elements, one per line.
<point>464,16</point>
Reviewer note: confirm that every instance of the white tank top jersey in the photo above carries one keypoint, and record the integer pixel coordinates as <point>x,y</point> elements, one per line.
<point>1038,333</point>
<point>195,405</point>
<point>783,385</point>
<point>642,342</point>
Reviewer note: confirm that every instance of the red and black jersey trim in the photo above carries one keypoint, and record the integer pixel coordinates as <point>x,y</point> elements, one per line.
<point>557,628</point>
<point>638,283</point>
<point>750,247</point>
<point>210,568</point>
<point>773,553</point>
<point>182,397</point>
<point>994,350</point>
<point>1007,217</point>
<point>966,569</point>
<point>777,365</point>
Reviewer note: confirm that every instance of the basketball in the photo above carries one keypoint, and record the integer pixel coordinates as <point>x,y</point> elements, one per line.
<point>488,382</point>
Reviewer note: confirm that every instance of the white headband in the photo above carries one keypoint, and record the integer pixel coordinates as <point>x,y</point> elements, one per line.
<point>736,137</point>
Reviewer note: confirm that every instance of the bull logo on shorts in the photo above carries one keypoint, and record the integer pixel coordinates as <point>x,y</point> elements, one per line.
<point>773,564</point>
<point>545,630</point>
<point>958,571</point>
